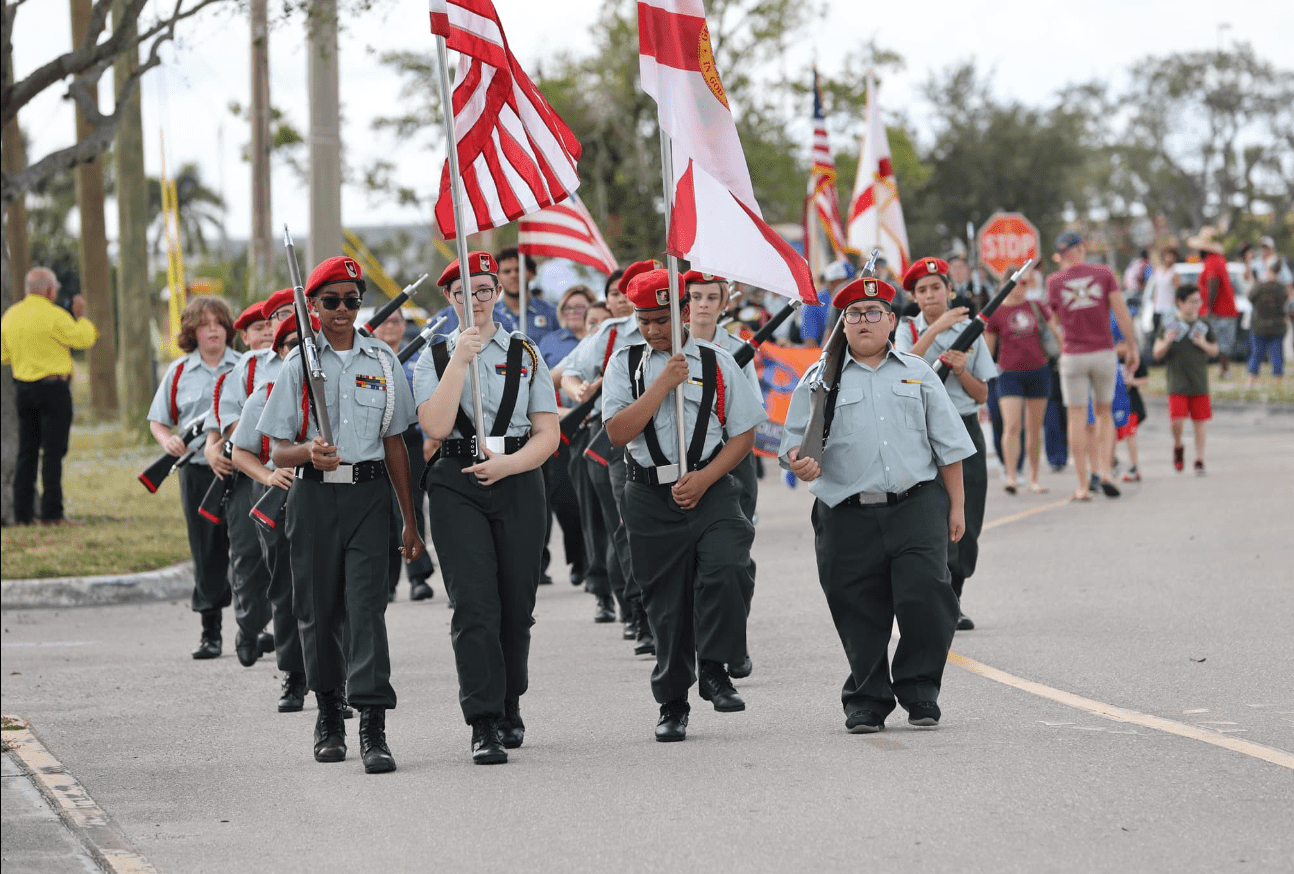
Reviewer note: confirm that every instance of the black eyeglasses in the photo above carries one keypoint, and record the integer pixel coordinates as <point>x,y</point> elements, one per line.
<point>331,303</point>
<point>280,314</point>
<point>853,317</point>
<point>289,345</point>
<point>481,294</point>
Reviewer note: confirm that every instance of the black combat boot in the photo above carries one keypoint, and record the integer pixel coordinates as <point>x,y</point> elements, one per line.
<point>487,746</point>
<point>209,646</point>
<point>512,731</point>
<point>672,725</point>
<point>716,688</point>
<point>372,741</point>
<point>293,699</point>
<point>330,731</point>
<point>247,648</point>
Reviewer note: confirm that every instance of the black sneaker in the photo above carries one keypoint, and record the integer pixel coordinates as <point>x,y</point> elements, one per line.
<point>924,714</point>
<point>864,722</point>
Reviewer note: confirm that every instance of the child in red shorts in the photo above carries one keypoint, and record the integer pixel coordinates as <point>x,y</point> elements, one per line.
<point>1185,344</point>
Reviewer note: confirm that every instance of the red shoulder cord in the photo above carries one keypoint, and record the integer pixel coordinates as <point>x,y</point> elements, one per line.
<point>719,409</point>
<point>611,339</point>
<point>265,441</point>
<point>215,399</point>
<point>251,375</point>
<point>913,326</point>
<point>175,389</point>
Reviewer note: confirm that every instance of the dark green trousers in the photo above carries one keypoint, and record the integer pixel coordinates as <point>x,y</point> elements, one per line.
<point>490,541</point>
<point>692,567</point>
<point>249,573</point>
<point>208,543</point>
<point>877,564</point>
<point>337,536</point>
<point>963,555</point>
<point>278,563</point>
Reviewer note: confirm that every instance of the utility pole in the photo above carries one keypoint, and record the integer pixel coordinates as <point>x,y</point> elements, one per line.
<point>325,132</point>
<point>135,364</point>
<point>96,276</point>
<point>260,249</point>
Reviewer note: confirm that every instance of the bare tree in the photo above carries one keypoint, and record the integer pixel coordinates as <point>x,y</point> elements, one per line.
<point>84,66</point>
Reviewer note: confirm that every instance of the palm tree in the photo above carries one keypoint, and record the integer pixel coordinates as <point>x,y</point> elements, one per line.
<point>199,209</point>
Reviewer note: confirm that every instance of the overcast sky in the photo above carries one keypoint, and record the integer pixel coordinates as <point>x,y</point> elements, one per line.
<point>1034,48</point>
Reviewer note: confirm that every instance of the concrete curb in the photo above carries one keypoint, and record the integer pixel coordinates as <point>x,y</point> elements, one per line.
<point>169,583</point>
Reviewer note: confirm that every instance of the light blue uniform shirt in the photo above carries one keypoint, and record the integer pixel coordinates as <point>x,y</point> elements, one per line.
<point>245,435</point>
<point>534,395</point>
<point>586,361</point>
<point>978,360</point>
<point>743,407</point>
<point>193,396</point>
<point>893,427</point>
<point>355,394</point>
<point>233,393</point>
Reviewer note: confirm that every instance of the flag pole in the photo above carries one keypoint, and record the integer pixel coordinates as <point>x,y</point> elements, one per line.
<point>464,271</point>
<point>675,307</point>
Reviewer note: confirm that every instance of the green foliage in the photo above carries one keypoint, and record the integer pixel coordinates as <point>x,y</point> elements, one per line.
<point>198,208</point>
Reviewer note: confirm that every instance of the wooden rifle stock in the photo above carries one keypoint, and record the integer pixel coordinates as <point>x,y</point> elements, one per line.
<point>824,381</point>
<point>967,338</point>
<point>153,475</point>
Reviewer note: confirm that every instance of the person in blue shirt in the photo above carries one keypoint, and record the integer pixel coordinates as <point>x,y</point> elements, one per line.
<point>541,316</point>
<point>814,320</point>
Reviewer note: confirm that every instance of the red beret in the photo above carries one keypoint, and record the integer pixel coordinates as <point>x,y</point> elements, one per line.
<point>289,326</point>
<point>633,270</point>
<point>482,263</point>
<point>697,276</point>
<point>650,290</point>
<point>923,267</point>
<point>339,268</point>
<point>249,315</point>
<point>867,288</point>
<point>279,299</point>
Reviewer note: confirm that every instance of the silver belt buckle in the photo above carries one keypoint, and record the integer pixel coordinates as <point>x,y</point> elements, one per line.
<point>344,475</point>
<point>868,499</point>
<point>666,474</point>
<point>496,445</point>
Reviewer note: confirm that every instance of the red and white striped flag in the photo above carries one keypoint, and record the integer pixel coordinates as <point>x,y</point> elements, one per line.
<point>875,214</point>
<point>716,223</point>
<point>515,153</point>
<point>566,231</point>
<point>822,180</point>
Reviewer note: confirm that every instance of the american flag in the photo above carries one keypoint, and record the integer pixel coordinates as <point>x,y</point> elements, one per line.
<point>822,180</point>
<point>566,230</point>
<point>515,154</point>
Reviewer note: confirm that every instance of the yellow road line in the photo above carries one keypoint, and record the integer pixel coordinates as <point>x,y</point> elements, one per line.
<point>1181,729</point>
<point>88,822</point>
<point>1024,514</point>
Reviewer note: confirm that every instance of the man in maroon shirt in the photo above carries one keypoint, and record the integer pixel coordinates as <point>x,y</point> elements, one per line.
<point>1219,295</point>
<point>1083,296</point>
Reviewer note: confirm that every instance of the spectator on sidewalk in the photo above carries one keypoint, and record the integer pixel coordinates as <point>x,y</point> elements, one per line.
<point>1267,330</point>
<point>1218,294</point>
<point>1163,286</point>
<point>36,339</point>
<point>1185,345</point>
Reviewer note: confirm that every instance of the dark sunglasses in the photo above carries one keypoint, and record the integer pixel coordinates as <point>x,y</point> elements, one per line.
<point>331,303</point>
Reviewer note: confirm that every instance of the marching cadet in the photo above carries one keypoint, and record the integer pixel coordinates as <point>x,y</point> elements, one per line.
<point>707,297</point>
<point>186,392</point>
<point>250,576</point>
<point>889,499</point>
<point>930,334</point>
<point>582,374</point>
<point>252,456</point>
<point>688,538</point>
<point>488,518</point>
<point>338,512</point>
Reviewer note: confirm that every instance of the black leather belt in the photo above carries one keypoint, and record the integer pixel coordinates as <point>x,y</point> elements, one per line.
<point>345,474</point>
<point>466,447</point>
<point>871,499</point>
<point>650,476</point>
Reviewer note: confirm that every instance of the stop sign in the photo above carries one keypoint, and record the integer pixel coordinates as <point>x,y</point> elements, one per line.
<point>1006,241</point>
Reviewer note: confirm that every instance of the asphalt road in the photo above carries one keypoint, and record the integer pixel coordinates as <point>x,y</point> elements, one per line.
<point>1173,602</point>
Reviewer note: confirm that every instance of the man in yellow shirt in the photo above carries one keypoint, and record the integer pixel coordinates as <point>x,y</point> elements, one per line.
<point>36,339</point>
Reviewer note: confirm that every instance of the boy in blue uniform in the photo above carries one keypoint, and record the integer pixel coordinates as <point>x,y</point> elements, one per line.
<point>338,511</point>
<point>889,500</point>
<point>688,538</point>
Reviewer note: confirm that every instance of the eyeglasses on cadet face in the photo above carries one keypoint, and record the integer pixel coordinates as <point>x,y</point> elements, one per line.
<point>853,317</point>
<point>331,303</point>
<point>481,294</point>
<point>281,313</point>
